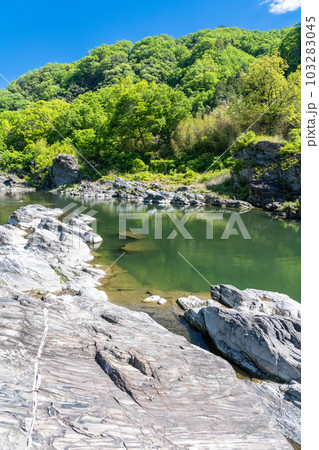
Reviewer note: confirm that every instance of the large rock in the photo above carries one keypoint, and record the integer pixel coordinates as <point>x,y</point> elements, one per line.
<point>65,170</point>
<point>29,217</point>
<point>258,331</point>
<point>79,372</point>
<point>267,346</point>
<point>11,183</point>
<point>255,301</point>
<point>267,175</point>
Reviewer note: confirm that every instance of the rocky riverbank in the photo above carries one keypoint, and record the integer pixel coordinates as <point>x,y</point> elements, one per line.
<point>11,183</point>
<point>259,331</point>
<point>267,171</point>
<point>153,193</point>
<point>268,174</point>
<point>271,176</point>
<point>78,371</point>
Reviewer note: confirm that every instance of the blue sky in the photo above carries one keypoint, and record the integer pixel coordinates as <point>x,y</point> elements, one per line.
<point>34,33</point>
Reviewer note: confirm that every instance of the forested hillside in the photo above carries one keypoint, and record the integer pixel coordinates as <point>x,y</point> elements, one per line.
<point>159,105</point>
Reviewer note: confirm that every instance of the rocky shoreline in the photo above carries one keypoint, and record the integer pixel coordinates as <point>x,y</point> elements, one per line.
<point>270,178</point>
<point>159,194</point>
<point>269,175</point>
<point>153,193</point>
<point>259,331</point>
<point>11,183</point>
<point>78,371</point>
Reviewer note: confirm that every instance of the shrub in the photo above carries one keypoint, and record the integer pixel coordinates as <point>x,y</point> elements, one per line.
<point>164,166</point>
<point>243,141</point>
<point>294,146</point>
<point>204,137</point>
<point>139,165</point>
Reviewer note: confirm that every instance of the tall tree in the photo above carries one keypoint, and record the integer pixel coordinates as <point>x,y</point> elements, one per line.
<point>290,48</point>
<point>269,97</point>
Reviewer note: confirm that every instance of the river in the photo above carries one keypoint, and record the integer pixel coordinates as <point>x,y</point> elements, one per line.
<point>177,266</point>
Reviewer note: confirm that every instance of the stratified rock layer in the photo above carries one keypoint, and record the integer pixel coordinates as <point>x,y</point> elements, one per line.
<point>65,170</point>
<point>260,332</point>
<point>270,178</point>
<point>79,372</point>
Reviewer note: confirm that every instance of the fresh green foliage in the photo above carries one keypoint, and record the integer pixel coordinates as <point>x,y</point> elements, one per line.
<point>196,141</point>
<point>243,141</point>
<point>268,97</point>
<point>291,207</point>
<point>290,48</point>
<point>159,106</point>
<point>294,146</point>
<point>209,55</point>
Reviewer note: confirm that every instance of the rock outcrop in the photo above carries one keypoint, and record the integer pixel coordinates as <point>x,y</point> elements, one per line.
<point>270,178</point>
<point>135,191</point>
<point>65,170</point>
<point>256,301</point>
<point>260,332</point>
<point>267,346</point>
<point>11,183</point>
<point>79,372</point>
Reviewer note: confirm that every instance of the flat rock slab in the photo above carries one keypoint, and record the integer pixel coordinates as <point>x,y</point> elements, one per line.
<point>118,380</point>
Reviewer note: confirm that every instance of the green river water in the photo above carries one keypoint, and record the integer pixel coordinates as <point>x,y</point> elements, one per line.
<point>270,260</point>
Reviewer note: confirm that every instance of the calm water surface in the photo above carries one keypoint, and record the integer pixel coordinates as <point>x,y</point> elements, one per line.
<point>270,260</point>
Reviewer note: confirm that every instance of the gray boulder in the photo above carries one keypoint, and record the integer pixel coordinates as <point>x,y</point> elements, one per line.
<point>255,301</point>
<point>10,182</point>
<point>267,346</point>
<point>29,217</point>
<point>65,170</point>
<point>260,331</point>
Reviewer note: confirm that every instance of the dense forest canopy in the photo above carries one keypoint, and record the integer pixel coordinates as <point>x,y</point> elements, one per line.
<point>160,104</point>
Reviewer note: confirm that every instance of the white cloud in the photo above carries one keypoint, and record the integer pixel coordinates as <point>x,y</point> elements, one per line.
<point>282,6</point>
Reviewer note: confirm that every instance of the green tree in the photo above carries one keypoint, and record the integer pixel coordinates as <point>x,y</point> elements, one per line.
<point>153,58</point>
<point>32,123</point>
<point>144,115</point>
<point>290,48</point>
<point>269,97</point>
<point>102,66</point>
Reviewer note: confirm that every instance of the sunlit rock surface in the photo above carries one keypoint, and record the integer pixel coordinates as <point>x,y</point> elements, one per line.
<point>79,372</point>
<point>260,332</point>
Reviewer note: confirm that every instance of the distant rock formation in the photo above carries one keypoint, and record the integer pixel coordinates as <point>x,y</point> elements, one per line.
<point>10,183</point>
<point>65,170</point>
<point>269,177</point>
